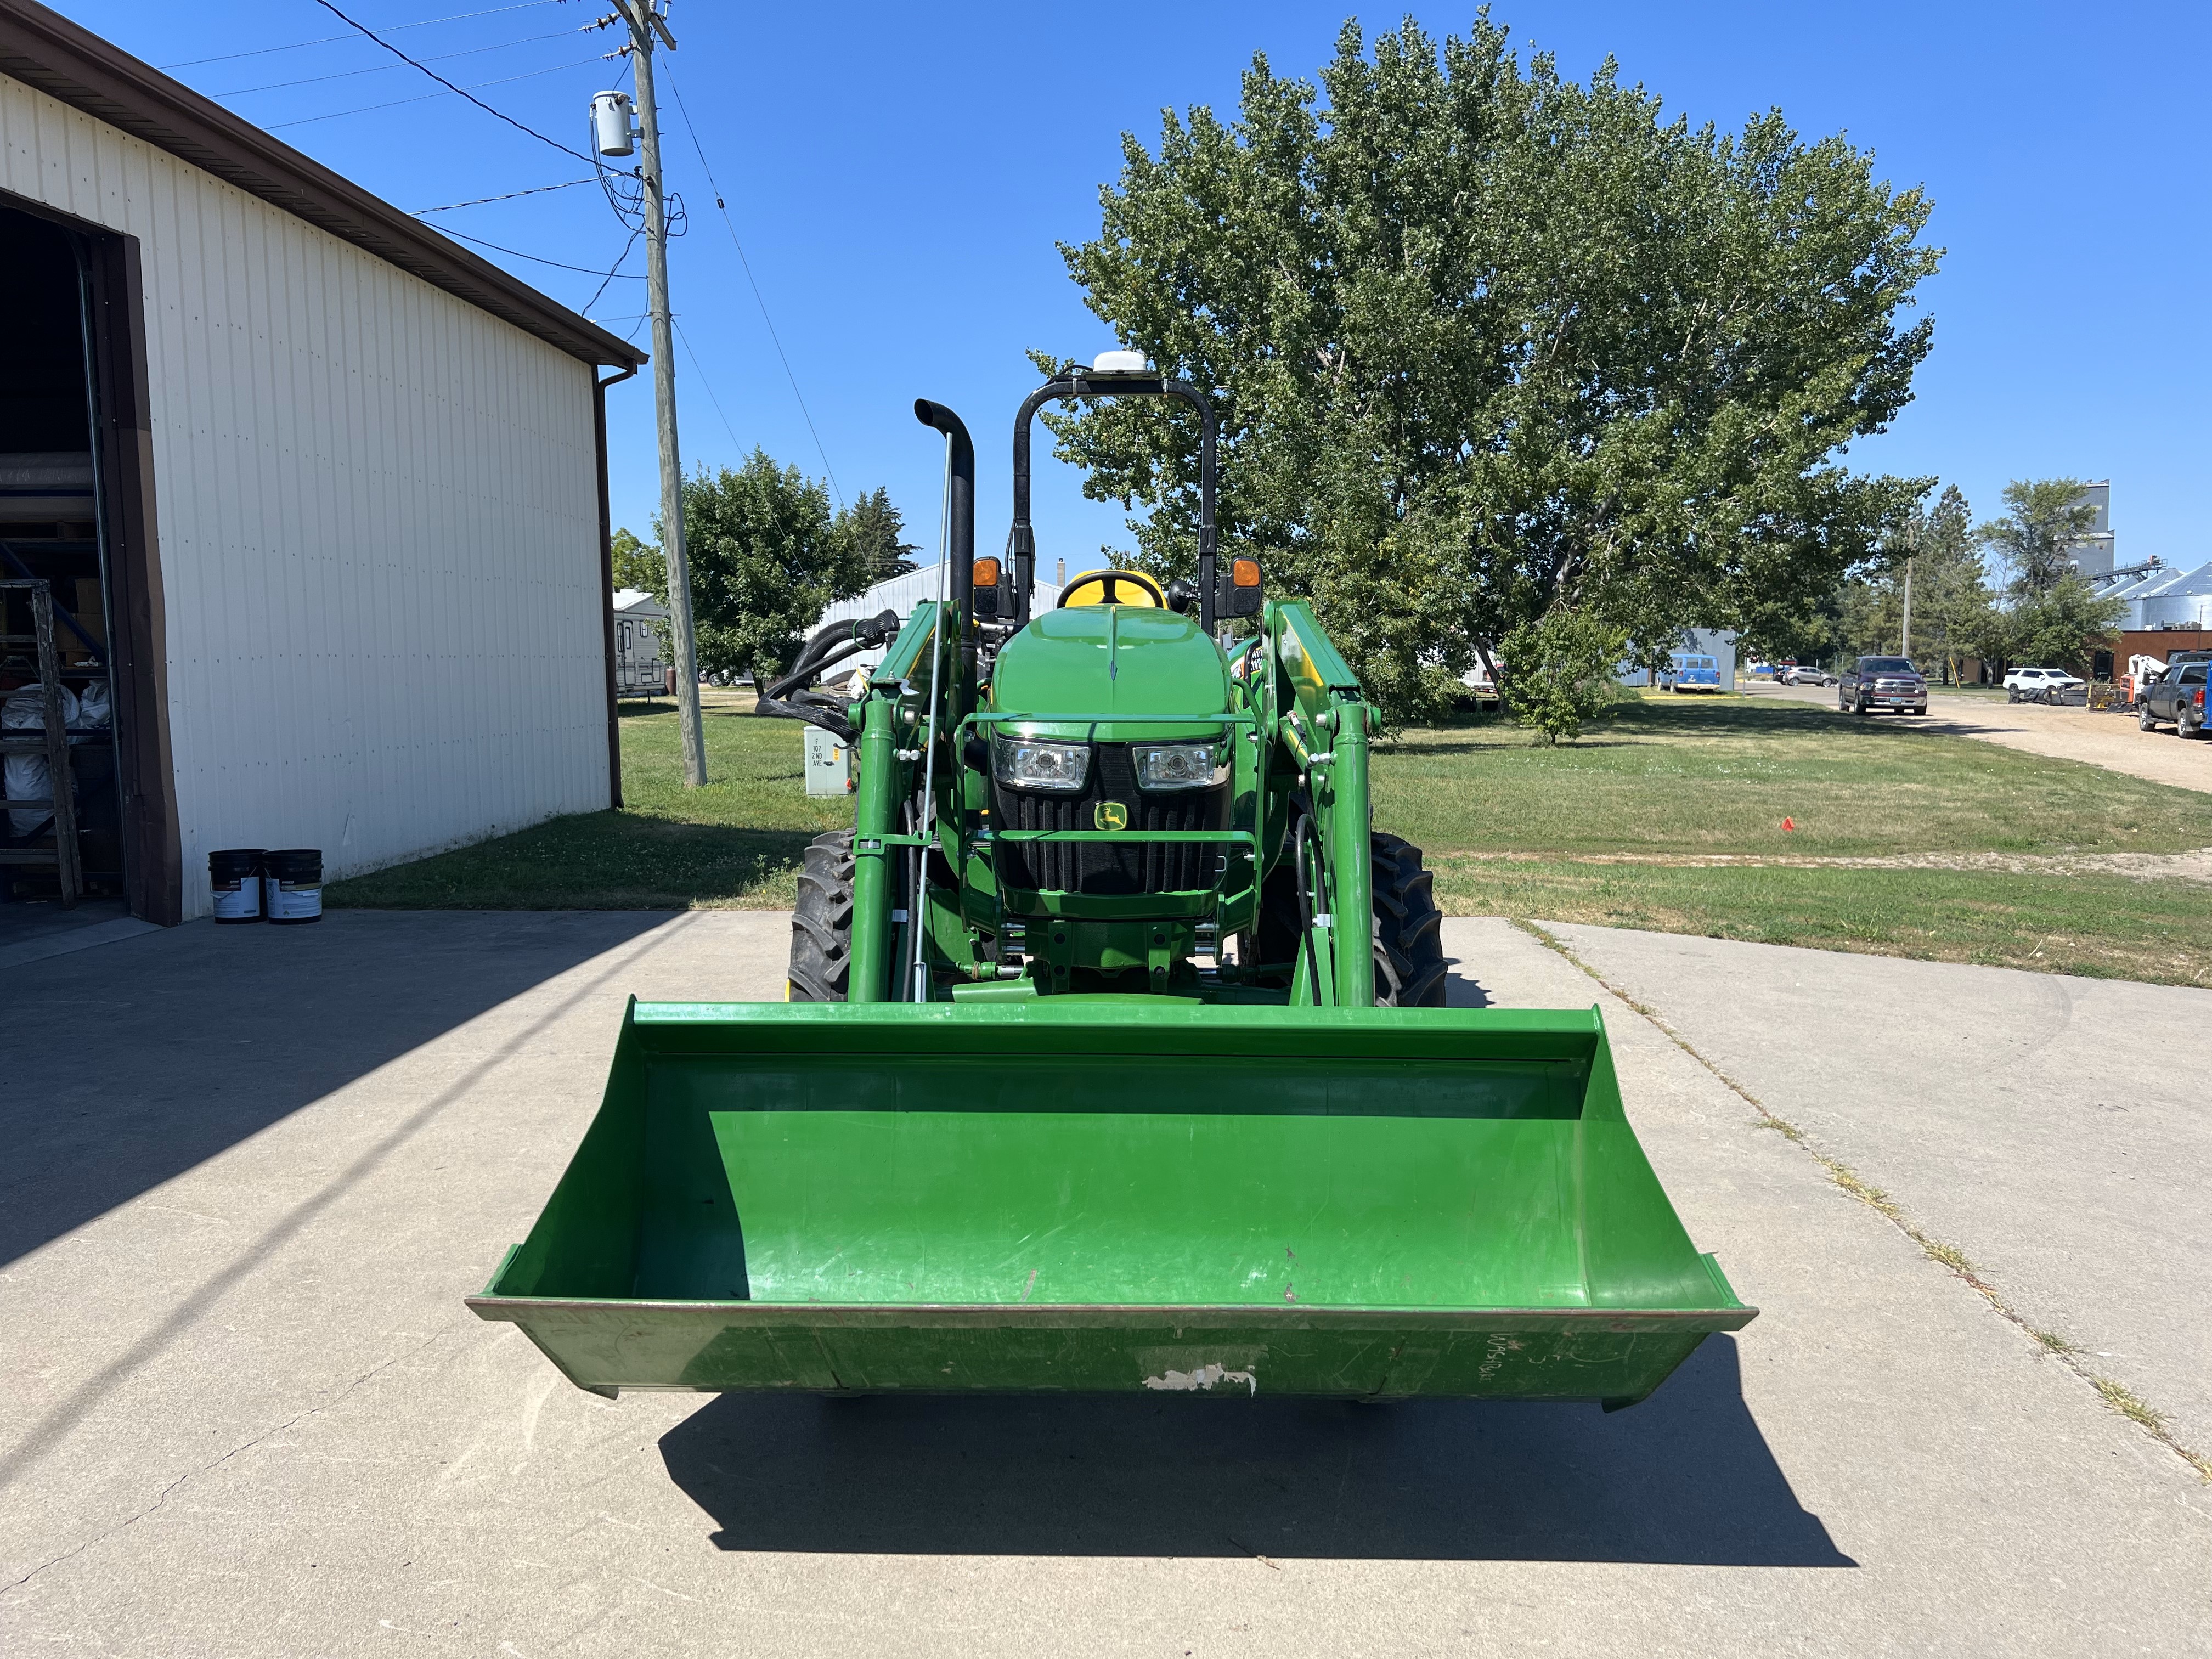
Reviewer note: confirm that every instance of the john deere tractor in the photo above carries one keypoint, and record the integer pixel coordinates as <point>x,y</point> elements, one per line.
<point>1115,796</point>
<point>1116,1054</point>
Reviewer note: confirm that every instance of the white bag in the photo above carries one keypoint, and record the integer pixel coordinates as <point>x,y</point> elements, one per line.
<point>26,776</point>
<point>93,709</point>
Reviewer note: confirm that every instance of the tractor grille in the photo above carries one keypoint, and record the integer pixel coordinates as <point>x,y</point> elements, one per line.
<point>1102,867</point>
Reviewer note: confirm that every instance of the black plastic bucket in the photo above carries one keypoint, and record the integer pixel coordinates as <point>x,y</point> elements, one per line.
<point>235,875</point>
<point>294,885</point>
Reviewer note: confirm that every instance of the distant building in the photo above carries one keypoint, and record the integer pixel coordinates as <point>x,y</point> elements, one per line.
<point>901,594</point>
<point>2094,554</point>
<point>641,662</point>
<point>1718,643</point>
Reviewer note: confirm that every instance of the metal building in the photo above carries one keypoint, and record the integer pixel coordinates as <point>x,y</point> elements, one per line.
<point>341,486</point>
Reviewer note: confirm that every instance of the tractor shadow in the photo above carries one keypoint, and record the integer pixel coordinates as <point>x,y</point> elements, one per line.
<point>1684,1478</point>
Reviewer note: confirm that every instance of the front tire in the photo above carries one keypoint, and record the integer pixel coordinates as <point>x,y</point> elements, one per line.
<point>821,923</point>
<point>1409,950</point>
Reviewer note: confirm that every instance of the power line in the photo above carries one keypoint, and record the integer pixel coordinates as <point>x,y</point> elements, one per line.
<point>363,109</point>
<point>588,270</point>
<point>717,402</point>
<point>449,85</point>
<point>729,225</point>
<point>536,190</point>
<point>386,69</point>
<point>613,271</point>
<point>394,28</point>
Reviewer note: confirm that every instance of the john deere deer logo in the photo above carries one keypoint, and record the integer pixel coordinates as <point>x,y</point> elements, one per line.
<point>1111,815</point>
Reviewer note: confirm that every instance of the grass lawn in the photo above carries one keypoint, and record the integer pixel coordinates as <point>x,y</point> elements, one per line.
<point>1710,775</point>
<point>1517,831</point>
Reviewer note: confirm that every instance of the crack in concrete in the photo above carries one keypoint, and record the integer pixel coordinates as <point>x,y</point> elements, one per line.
<point>128,1521</point>
<point>2116,1396</point>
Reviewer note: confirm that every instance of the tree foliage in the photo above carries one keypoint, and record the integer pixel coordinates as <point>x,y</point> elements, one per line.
<point>1953,604</point>
<point>638,564</point>
<point>1951,594</point>
<point>1559,672</point>
<point>2033,539</point>
<point>874,533</point>
<point>2058,628</point>
<point>766,557</point>
<point>1490,342</point>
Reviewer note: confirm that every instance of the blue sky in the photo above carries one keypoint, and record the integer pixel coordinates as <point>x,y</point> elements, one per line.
<point>899,176</point>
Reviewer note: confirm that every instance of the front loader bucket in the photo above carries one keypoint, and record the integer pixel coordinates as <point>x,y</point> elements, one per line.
<point>1068,1194</point>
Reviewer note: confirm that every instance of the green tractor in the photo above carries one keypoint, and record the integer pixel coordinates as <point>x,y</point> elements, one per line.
<point>1116,1052</point>
<point>1109,797</point>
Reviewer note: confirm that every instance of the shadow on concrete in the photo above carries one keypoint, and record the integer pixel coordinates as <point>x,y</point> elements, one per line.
<point>1684,1478</point>
<point>130,1063</point>
<point>1461,992</point>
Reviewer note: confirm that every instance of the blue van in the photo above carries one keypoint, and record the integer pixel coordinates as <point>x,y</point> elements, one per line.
<point>1690,670</point>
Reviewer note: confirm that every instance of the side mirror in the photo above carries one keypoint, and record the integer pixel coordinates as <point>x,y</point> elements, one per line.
<point>988,590</point>
<point>1240,593</point>
<point>1182,596</point>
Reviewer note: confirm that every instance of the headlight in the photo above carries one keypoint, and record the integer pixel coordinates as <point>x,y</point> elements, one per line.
<point>1024,764</point>
<point>1177,765</point>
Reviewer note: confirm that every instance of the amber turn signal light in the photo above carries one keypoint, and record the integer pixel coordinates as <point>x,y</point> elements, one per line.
<point>1244,572</point>
<point>987,573</point>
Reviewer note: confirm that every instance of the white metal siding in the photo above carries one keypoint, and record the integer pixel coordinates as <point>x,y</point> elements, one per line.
<point>377,511</point>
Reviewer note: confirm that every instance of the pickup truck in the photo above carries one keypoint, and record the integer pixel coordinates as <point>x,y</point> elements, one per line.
<point>2177,695</point>
<point>1873,682</point>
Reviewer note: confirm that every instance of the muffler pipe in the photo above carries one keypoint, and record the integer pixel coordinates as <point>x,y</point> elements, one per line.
<point>960,534</point>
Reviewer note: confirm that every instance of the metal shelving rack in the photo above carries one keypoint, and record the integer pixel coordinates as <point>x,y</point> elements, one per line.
<point>67,857</point>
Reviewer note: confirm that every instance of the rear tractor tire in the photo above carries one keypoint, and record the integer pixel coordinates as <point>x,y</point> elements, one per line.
<point>1409,949</point>
<point>821,925</point>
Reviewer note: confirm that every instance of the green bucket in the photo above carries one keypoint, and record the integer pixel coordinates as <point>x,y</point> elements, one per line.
<point>1063,1195</point>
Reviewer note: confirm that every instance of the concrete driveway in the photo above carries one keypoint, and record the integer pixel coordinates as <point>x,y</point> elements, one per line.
<point>246,1413</point>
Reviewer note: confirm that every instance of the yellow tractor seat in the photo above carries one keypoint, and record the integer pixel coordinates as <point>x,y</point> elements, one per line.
<point>1114,587</point>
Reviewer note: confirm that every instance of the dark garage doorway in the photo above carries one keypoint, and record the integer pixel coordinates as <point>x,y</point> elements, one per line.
<point>75,500</point>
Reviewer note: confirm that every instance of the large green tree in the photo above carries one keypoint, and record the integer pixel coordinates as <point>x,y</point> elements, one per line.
<point>638,564</point>
<point>765,559</point>
<point>2034,537</point>
<point>1490,342</point>
<point>1951,594</point>
<point>874,533</point>
<point>1939,550</point>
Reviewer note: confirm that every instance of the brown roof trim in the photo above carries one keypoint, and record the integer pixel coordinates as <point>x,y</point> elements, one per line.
<point>44,50</point>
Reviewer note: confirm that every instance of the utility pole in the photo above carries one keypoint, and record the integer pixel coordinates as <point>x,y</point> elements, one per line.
<point>1906,649</point>
<point>1912,541</point>
<point>644,24</point>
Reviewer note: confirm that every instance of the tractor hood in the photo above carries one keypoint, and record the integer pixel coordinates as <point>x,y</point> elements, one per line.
<point>1109,659</point>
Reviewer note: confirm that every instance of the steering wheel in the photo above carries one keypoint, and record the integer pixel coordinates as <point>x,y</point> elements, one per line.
<point>1131,587</point>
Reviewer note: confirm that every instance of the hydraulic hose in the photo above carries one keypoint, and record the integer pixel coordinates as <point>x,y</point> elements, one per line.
<point>784,699</point>
<point>1302,836</point>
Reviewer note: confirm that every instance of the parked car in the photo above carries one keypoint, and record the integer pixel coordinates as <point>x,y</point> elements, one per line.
<point>2177,695</point>
<point>2027,684</point>
<point>1805,674</point>
<point>1891,683</point>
